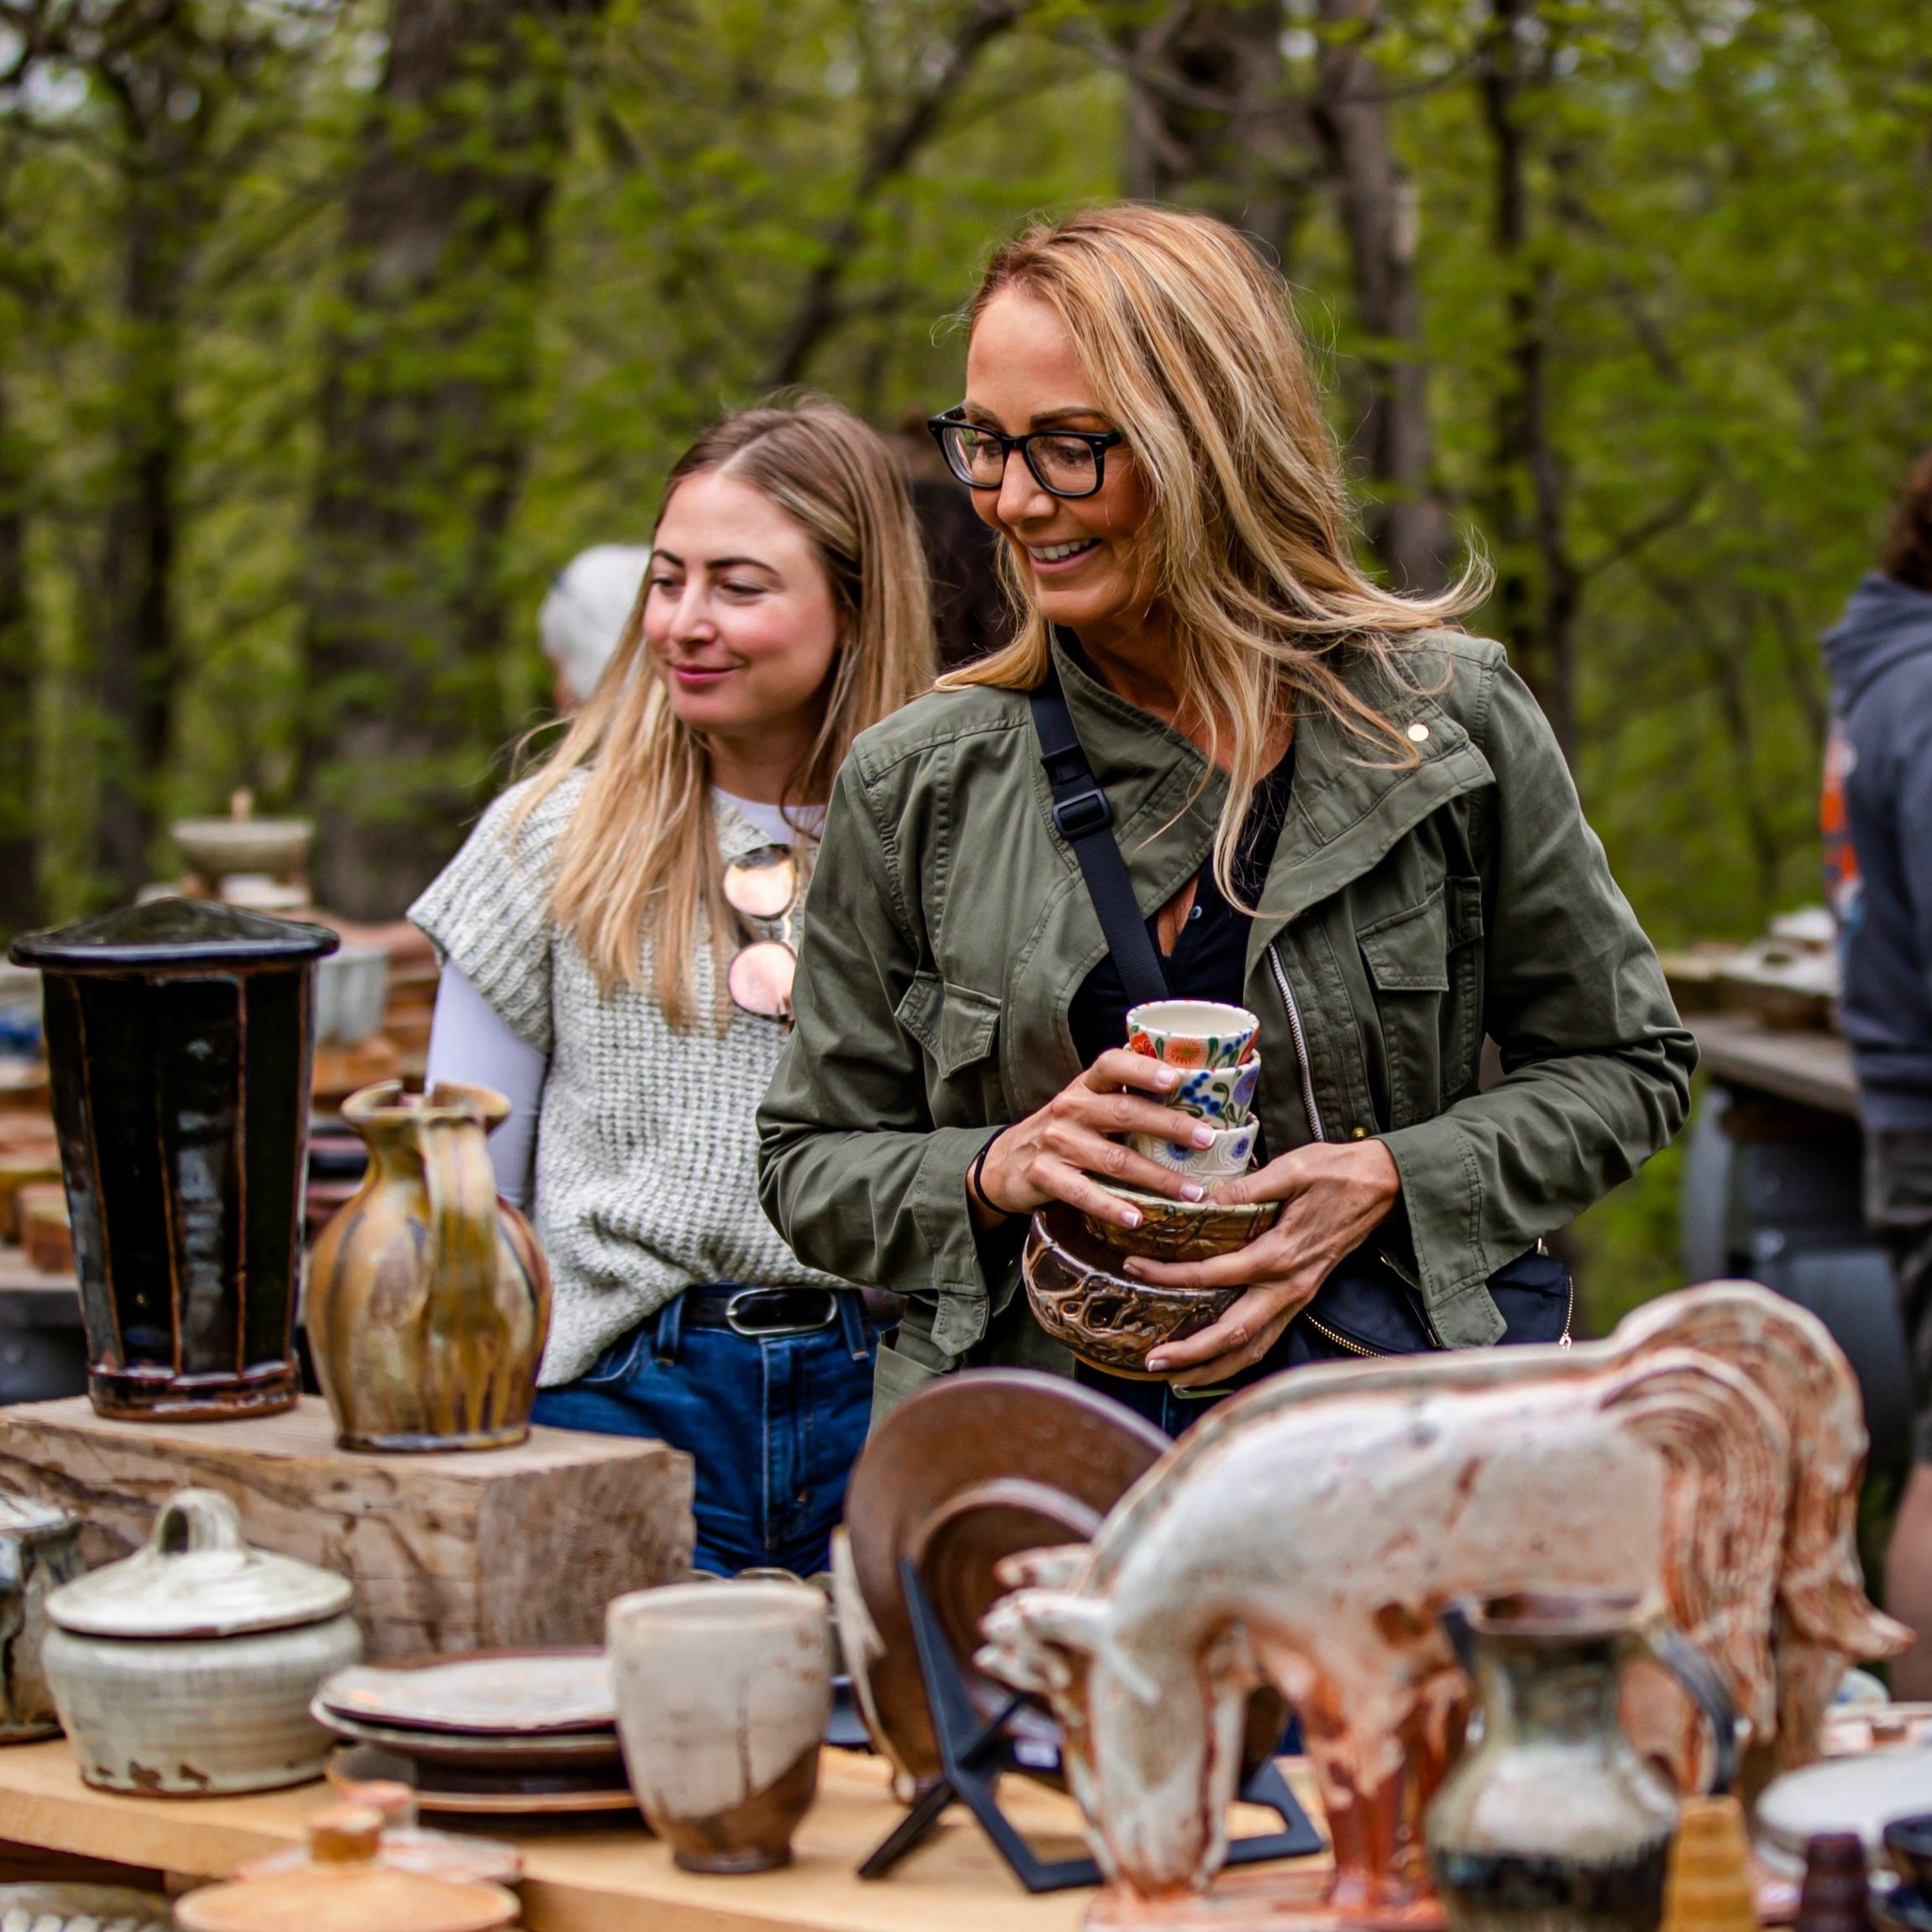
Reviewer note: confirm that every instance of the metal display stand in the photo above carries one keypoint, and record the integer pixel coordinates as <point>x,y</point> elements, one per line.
<point>975,1754</point>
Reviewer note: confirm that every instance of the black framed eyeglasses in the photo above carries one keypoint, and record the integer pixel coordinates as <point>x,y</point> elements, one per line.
<point>1062,462</point>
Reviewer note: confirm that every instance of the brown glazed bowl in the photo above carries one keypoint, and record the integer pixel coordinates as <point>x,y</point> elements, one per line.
<point>1180,1230</point>
<point>1109,1320</point>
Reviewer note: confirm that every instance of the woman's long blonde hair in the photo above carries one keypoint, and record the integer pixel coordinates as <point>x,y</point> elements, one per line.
<point>641,852</point>
<point>1191,348</point>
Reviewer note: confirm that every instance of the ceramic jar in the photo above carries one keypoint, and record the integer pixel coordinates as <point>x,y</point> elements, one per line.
<point>39,1550</point>
<point>1553,1821</point>
<point>345,1886</point>
<point>179,1037</point>
<point>429,1298</point>
<point>189,1668</point>
<point>723,1690</point>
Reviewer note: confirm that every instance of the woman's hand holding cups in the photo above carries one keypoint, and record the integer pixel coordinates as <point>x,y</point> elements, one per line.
<point>1334,1195</point>
<point>1054,1153</point>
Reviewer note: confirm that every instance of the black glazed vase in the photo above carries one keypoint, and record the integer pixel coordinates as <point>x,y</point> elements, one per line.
<point>179,1037</point>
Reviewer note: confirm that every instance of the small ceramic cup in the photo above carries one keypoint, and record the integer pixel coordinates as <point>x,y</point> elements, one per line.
<point>1222,1094</point>
<point>1192,1032</point>
<point>1230,1152</point>
<point>723,1690</point>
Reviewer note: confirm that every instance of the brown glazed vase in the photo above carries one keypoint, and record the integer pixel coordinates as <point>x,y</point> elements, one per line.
<point>179,1037</point>
<point>429,1298</point>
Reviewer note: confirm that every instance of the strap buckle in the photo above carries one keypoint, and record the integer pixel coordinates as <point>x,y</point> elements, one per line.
<point>1083,813</point>
<point>752,1330</point>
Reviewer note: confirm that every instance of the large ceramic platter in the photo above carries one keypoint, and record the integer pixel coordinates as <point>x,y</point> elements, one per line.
<point>494,1751</point>
<point>498,1692</point>
<point>1862,1794</point>
<point>970,1470</point>
<point>439,1790</point>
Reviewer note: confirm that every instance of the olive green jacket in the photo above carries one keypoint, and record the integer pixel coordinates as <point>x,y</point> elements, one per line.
<point>1410,909</point>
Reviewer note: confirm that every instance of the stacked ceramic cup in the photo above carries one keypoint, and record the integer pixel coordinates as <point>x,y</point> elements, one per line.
<point>1214,1046</point>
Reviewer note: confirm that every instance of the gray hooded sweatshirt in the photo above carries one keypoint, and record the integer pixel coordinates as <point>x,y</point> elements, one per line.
<point>1880,657</point>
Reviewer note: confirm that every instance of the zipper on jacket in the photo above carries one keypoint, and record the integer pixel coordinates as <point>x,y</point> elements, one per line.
<point>1301,1040</point>
<point>1341,1340</point>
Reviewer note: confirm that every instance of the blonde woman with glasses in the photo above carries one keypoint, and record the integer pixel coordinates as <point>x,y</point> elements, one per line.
<point>618,942</point>
<point>1321,801</point>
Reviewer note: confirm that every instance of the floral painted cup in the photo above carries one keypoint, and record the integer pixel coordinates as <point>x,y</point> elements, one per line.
<point>1193,1033</point>
<point>1232,1148</point>
<point>1222,1094</point>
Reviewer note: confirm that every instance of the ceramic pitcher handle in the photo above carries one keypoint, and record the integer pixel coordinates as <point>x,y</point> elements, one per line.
<point>1708,1691</point>
<point>195,1520</point>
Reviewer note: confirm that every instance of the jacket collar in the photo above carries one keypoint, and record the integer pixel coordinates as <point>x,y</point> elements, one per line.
<point>1350,804</point>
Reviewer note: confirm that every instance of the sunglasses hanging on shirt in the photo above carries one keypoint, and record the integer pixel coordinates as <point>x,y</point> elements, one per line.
<point>763,887</point>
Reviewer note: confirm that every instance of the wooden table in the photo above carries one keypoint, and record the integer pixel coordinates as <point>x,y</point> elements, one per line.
<point>618,1878</point>
<point>1814,1069</point>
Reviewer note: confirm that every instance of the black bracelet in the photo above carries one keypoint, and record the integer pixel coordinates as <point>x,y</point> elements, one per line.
<point>975,1190</point>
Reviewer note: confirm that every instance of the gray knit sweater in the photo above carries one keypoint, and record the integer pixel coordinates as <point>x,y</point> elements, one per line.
<point>646,1153</point>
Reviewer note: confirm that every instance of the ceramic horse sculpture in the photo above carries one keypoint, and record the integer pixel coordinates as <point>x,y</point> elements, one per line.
<point>1308,1534</point>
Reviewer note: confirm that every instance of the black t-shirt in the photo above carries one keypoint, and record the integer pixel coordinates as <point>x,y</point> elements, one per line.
<point>1210,956</point>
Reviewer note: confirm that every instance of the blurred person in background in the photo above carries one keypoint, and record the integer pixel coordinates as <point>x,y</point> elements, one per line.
<point>1878,852</point>
<point>583,616</point>
<point>616,938</point>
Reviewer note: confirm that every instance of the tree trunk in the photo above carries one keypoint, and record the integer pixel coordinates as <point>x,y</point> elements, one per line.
<point>19,852</point>
<point>424,431</point>
<point>1539,589</point>
<point>1377,205</point>
<point>137,652</point>
<point>1210,123</point>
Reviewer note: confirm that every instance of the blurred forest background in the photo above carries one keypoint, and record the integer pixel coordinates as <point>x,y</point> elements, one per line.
<point>330,329</point>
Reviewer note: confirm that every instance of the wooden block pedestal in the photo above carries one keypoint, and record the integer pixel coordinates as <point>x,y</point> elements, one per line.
<point>497,1549</point>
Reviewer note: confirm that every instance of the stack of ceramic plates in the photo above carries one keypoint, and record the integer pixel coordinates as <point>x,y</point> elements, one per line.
<point>494,1731</point>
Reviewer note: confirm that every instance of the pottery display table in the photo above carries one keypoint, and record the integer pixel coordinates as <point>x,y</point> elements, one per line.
<point>609,1878</point>
<point>491,1549</point>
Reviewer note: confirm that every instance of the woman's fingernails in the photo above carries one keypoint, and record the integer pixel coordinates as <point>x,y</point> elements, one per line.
<point>1132,1217</point>
<point>1171,1076</point>
<point>1156,1364</point>
<point>1204,1135</point>
<point>1192,1190</point>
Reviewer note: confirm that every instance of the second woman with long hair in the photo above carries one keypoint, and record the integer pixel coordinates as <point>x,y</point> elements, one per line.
<point>618,936</point>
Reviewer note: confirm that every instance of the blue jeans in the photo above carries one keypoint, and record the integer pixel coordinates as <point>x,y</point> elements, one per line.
<point>772,1423</point>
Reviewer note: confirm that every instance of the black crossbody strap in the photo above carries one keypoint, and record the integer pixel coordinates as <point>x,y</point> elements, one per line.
<point>1086,821</point>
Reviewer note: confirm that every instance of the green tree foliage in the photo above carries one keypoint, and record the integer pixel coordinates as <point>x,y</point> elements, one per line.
<point>329,329</point>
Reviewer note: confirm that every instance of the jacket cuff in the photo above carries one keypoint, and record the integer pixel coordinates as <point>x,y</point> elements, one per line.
<point>1442,1196</point>
<point>943,1213</point>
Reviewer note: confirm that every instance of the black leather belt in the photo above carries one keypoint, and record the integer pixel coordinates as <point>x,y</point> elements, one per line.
<point>761,1312</point>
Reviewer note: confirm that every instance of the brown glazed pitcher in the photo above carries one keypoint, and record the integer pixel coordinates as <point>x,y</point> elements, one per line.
<point>429,1298</point>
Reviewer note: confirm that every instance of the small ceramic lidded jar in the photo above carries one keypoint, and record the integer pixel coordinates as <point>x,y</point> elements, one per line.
<point>39,1550</point>
<point>189,1668</point>
<point>345,1886</point>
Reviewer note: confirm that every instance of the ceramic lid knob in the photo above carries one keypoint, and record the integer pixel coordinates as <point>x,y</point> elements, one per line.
<point>345,1834</point>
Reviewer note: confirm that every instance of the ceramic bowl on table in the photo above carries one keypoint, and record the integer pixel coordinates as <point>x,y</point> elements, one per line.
<point>216,847</point>
<point>1226,1155</point>
<point>1193,1033</point>
<point>1181,1230</point>
<point>187,1669</point>
<point>1108,1319</point>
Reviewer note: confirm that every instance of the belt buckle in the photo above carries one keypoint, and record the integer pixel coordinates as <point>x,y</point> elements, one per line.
<point>739,1328</point>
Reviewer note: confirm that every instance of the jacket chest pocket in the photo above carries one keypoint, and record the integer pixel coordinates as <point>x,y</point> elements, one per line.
<point>1426,964</point>
<point>957,1028</point>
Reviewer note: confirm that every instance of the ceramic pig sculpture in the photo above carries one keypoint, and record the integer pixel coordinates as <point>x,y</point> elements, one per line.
<point>1307,1535</point>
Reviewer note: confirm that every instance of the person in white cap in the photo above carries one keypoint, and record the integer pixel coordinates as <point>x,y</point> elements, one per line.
<point>583,615</point>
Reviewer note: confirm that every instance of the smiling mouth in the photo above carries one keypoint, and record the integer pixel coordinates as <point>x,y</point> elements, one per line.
<point>1059,552</point>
